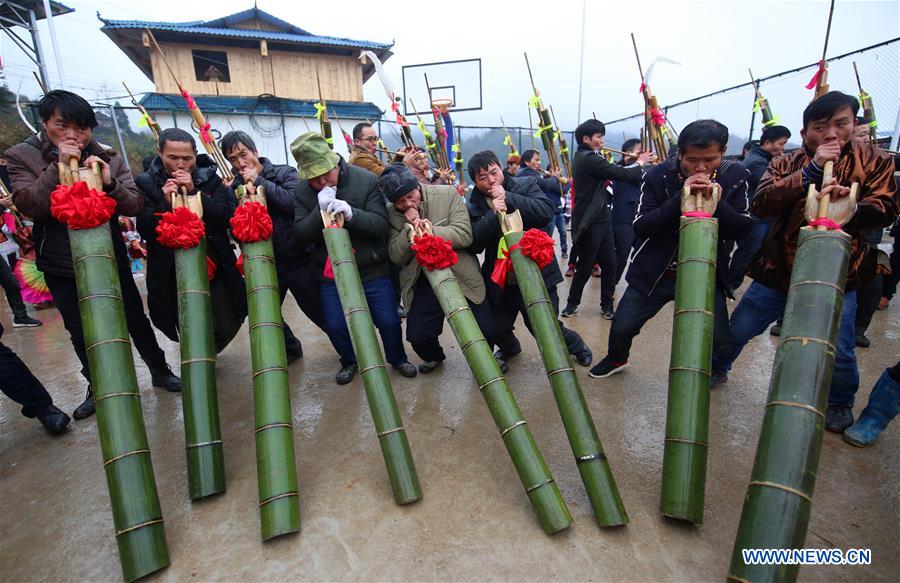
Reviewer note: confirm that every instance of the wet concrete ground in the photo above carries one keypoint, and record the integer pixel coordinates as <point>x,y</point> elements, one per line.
<point>475,522</point>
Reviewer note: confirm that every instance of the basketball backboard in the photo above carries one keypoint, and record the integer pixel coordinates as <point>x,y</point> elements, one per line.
<point>458,81</point>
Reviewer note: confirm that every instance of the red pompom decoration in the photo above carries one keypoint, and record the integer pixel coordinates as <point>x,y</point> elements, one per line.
<point>81,207</point>
<point>251,223</point>
<point>537,246</point>
<point>210,269</point>
<point>180,228</point>
<point>240,264</point>
<point>433,252</point>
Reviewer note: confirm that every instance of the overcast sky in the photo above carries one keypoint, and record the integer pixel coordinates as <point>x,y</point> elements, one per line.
<point>715,42</point>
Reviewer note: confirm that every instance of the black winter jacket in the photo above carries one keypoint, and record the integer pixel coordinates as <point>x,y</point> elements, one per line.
<point>756,162</point>
<point>590,203</point>
<point>550,186</point>
<point>658,218</point>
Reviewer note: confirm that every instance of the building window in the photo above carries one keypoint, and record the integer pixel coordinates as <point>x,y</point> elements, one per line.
<point>211,66</point>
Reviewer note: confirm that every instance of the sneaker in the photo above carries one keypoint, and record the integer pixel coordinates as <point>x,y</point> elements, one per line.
<point>838,418</point>
<point>607,312</point>
<point>346,374</point>
<point>53,420</point>
<point>26,321</point>
<point>717,378</point>
<point>775,330</point>
<point>883,303</point>
<point>584,357</point>
<point>570,311</point>
<point>500,355</point>
<point>407,369</point>
<point>428,367</point>
<point>402,312</point>
<point>606,368</point>
<point>570,271</point>
<point>862,341</point>
<point>504,368</point>
<point>596,271</point>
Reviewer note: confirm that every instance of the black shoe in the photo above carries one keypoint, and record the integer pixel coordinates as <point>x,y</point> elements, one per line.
<point>775,330</point>
<point>430,366</point>
<point>407,369</point>
<point>585,357</point>
<point>504,368</point>
<point>26,321</point>
<point>294,355</point>
<point>53,419</point>
<point>607,368</point>
<point>838,418</point>
<point>500,355</point>
<point>717,378</point>
<point>607,312</point>
<point>571,310</point>
<point>565,255</point>
<point>161,376</point>
<point>862,341</point>
<point>402,312</point>
<point>346,374</point>
<point>86,409</point>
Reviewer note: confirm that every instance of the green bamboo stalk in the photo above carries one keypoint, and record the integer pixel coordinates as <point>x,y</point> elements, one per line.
<point>388,424</point>
<point>539,485</point>
<point>687,417</point>
<point>580,430</point>
<point>276,469</point>
<point>137,515</point>
<point>203,433</point>
<point>779,497</point>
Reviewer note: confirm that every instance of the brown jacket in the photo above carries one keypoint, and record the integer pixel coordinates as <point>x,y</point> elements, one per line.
<point>781,196</point>
<point>34,175</point>
<point>366,161</point>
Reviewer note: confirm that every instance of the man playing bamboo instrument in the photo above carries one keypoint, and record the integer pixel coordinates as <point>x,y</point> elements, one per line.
<point>651,276</point>
<point>828,124</point>
<point>178,168</point>
<point>365,144</point>
<point>421,169</point>
<point>293,261</point>
<point>67,122</point>
<point>494,192</point>
<point>591,227</point>
<point>327,183</point>
<point>412,206</point>
<point>554,188</point>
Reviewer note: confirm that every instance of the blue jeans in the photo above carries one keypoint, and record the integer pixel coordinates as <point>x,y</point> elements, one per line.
<point>746,250</point>
<point>383,307</point>
<point>762,305</point>
<point>558,221</point>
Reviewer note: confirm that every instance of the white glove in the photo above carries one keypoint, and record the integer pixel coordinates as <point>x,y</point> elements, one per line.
<point>340,206</point>
<point>326,196</point>
<point>840,210</point>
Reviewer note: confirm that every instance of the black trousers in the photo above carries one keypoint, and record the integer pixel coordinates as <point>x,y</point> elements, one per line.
<point>508,309</point>
<point>623,235</point>
<point>867,298</point>
<point>303,283</point>
<point>425,322</point>
<point>17,383</point>
<point>595,245</point>
<point>11,287</point>
<point>65,295</point>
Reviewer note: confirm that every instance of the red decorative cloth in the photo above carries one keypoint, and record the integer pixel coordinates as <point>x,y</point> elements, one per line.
<point>210,269</point>
<point>503,266</point>
<point>825,222</point>
<point>81,207</point>
<point>189,100</point>
<point>433,252</point>
<point>180,228</point>
<point>537,246</point>
<point>643,86</point>
<point>251,223</point>
<point>815,79</point>
<point>697,215</point>
<point>659,118</point>
<point>240,264</point>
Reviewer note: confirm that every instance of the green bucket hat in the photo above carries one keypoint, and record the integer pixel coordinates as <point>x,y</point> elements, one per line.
<point>314,157</point>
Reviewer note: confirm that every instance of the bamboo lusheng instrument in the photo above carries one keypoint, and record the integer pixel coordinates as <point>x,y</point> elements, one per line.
<point>563,147</point>
<point>508,141</point>
<point>322,114</point>
<point>348,139</point>
<point>654,120</point>
<point>203,128</point>
<point>155,128</point>
<point>868,109</point>
<point>777,506</point>
<point>580,430</point>
<point>820,79</point>
<point>687,416</point>
<point>137,515</point>
<point>458,159</point>
<point>762,104</point>
<point>545,124</point>
<point>440,133</point>
<point>388,423</point>
<point>276,469</point>
<point>430,145</point>
<point>199,398</point>
<point>540,487</point>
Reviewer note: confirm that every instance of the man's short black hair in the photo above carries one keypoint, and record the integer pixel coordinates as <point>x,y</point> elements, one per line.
<point>176,135</point>
<point>824,108</point>
<point>358,129</point>
<point>588,129</point>
<point>231,140</point>
<point>774,133</point>
<point>629,144</point>
<point>703,133</point>
<point>528,155</point>
<point>482,161</point>
<point>71,107</point>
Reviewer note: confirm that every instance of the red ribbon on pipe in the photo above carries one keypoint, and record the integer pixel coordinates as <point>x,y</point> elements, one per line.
<point>825,222</point>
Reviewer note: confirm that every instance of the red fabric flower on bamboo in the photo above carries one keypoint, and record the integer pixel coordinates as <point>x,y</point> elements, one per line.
<point>81,207</point>
<point>180,228</point>
<point>433,252</point>
<point>240,264</point>
<point>211,269</point>
<point>537,246</point>
<point>251,223</point>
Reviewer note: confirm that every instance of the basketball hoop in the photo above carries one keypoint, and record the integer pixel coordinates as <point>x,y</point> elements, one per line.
<point>442,104</point>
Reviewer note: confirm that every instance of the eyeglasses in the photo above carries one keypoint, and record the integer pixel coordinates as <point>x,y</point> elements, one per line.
<point>369,139</point>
